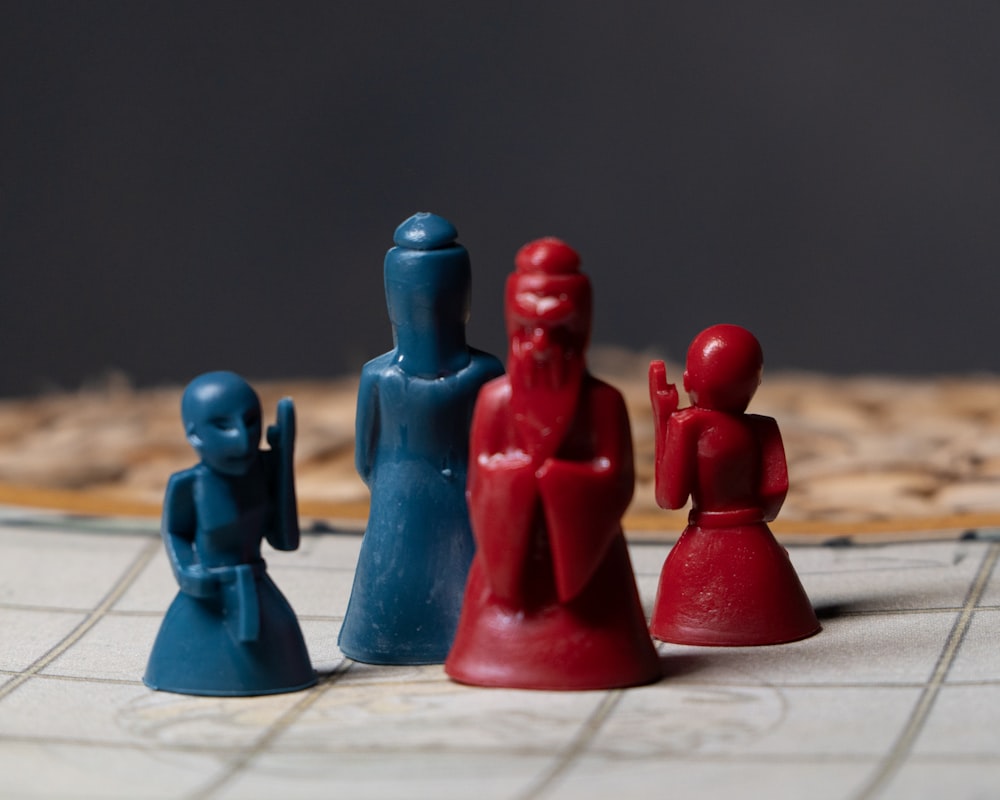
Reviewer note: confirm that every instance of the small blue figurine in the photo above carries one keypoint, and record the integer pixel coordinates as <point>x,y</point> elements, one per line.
<point>230,631</point>
<point>415,407</point>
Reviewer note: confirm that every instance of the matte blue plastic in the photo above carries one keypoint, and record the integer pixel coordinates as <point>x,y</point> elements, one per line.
<point>415,407</point>
<point>230,631</point>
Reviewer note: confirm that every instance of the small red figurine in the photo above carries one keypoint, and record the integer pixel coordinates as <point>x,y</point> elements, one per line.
<point>551,601</point>
<point>727,581</point>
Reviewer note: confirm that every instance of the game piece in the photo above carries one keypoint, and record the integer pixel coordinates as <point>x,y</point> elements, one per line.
<point>411,448</point>
<point>727,581</point>
<point>230,631</point>
<point>551,601</point>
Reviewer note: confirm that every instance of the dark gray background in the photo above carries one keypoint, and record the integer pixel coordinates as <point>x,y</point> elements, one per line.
<point>197,185</point>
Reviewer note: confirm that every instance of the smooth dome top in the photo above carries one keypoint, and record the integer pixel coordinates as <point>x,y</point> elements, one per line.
<point>425,231</point>
<point>549,255</point>
<point>724,366</point>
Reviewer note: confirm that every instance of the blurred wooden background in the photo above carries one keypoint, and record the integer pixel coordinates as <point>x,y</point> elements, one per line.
<point>865,454</point>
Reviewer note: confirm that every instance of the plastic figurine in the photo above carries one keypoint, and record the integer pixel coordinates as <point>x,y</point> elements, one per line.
<point>551,601</point>
<point>727,581</point>
<point>230,631</point>
<point>411,448</point>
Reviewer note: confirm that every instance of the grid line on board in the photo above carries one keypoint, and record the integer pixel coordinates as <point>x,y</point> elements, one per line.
<point>245,756</point>
<point>588,730</point>
<point>550,772</point>
<point>114,594</point>
<point>898,753</point>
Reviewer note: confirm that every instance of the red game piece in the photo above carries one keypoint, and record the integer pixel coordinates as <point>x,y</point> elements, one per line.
<point>727,581</point>
<point>551,601</point>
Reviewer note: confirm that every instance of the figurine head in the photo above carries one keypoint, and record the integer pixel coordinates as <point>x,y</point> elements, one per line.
<point>724,365</point>
<point>548,307</point>
<point>222,419</point>
<point>427,275</point>
<point>548,324</point>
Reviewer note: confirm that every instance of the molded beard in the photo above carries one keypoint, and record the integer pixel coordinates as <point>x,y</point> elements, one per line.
<point>544,396</point>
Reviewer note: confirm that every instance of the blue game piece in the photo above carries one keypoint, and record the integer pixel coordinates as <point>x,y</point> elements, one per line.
<point>230,631</point>
<point>412,442</point>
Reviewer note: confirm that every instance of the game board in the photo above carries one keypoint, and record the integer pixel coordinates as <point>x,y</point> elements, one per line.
<point>897,697</point>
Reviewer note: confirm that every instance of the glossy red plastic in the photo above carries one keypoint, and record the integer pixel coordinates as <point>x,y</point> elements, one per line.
<point>727,581</point>
<point>551,601</point>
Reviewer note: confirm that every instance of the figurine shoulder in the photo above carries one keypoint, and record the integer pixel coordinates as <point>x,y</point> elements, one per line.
<point>761,425</point>
<point>179,499</point>
<point>484,365</point>
<point>602,394</point>
<point>183,482</point>
<point>494,394</point>
<point>379,366</point>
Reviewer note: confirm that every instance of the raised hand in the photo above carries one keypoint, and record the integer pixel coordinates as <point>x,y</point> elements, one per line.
<point>662,395</point>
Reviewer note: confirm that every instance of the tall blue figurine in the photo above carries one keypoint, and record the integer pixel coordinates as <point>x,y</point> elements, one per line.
<point>415,407</point>
<point>230,631</point>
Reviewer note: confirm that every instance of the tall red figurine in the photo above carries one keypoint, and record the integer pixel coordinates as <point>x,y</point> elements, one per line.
<point>551,601</point>
<point>727,581</point>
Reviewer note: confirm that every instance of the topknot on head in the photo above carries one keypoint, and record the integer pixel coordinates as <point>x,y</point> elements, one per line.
<point>425,231</point>
<point>550,255</point>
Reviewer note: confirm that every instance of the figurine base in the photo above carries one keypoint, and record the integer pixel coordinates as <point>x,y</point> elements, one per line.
<point>196,651</point>
<point>528,676</point>
<point>731,587</point>
<point>537,661</point>
<point>200,692</point>
<point>389,659</point>
<point>599,640</point>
